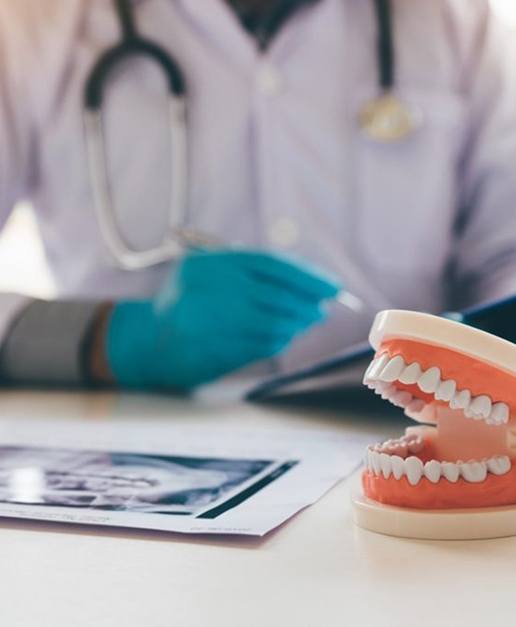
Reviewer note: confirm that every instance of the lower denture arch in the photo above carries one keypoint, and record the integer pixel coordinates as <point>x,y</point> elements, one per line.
<point>496,491</point>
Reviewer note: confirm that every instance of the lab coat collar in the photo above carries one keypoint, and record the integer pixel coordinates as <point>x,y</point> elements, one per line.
<point>221,26</point>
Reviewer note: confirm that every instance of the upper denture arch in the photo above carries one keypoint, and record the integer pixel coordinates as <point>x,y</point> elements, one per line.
<point>474,360</point>
<point>442,332</point>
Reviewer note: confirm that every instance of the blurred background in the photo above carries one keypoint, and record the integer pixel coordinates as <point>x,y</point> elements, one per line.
<point>22,261</point>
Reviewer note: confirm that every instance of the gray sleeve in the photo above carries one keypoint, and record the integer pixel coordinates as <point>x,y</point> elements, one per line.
<point>45,343</point>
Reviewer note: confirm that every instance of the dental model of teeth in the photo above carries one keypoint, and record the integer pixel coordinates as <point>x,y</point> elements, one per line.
<point>453,476</point>
<point>385,371</point>
<point>392,458</point>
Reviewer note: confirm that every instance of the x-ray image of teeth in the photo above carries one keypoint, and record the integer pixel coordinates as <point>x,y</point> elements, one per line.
<point>128,482</point>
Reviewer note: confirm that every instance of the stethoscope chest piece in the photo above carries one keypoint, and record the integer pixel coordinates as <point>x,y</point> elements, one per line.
<point>388,119</point>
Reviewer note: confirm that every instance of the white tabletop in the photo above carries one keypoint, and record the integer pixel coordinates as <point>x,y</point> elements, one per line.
<point>318,570</point>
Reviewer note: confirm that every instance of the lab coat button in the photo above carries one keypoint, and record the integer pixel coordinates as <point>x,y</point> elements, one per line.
<point>284,233</point>
<point>269,80</point>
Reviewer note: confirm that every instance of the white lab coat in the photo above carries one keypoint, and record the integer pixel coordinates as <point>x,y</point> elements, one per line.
<point>276,157</point>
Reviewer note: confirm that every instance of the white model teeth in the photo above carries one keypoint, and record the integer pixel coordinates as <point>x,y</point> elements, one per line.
<point>410,443</point>
<point>398,467</point>
<point>480,407</point>
<point>473,472</point>
<point>401,398</point>
<point>499,414</point>
<point>385,465</point>
<point>432,471</point>
<point>461,400</point>
<point>430,380</point>
<point>446,390</point>
<point>374,461</point>
<point>498,465</point>
<point>416,446</point>
<point>413,470</point>
<point>411,374</point>
<point>451,471</point>
<point>376,366</point>
<point>392,370</point>
<point>387,392</point>
<point>384,371</point>
<point>412,467</point>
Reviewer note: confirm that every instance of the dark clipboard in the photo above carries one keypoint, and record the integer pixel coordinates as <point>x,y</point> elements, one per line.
<point>346,369</point>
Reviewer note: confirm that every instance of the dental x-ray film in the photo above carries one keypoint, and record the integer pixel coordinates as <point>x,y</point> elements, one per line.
<point>194,488</point>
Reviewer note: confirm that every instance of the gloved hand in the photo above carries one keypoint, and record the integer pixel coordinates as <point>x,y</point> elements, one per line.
<point>219,312</point>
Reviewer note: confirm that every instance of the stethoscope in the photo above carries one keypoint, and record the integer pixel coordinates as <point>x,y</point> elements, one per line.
<point>384,119</point>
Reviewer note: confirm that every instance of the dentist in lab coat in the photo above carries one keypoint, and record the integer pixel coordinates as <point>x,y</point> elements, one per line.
<point>278,164</point>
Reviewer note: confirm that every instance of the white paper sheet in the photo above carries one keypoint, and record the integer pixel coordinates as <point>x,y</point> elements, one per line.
<point>181,479</point>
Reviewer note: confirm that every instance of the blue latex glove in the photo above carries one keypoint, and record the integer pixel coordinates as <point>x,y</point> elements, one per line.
<point>219,312</point>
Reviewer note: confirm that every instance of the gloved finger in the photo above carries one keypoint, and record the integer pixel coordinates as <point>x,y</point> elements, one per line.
<point>261,321</point>
<point>243,316</point>
<point>204,267</point>
<point>298,276</point>
<point>203,317</point>
<point>273,300</point>
<point>228,283</point>
<point>284,302</point>
<point>223,266</point>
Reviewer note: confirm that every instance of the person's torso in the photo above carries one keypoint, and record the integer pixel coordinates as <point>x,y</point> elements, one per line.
<point>276,157</point>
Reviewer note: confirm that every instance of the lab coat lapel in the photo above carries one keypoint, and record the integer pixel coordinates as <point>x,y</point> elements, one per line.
<point>216,20</point>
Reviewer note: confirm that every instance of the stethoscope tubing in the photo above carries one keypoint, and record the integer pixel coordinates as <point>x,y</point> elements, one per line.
<point>385,52</point>
<point>173,243</point>
<point>133,45</point>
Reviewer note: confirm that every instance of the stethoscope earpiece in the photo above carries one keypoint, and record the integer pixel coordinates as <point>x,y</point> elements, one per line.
<point>388,119</point>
